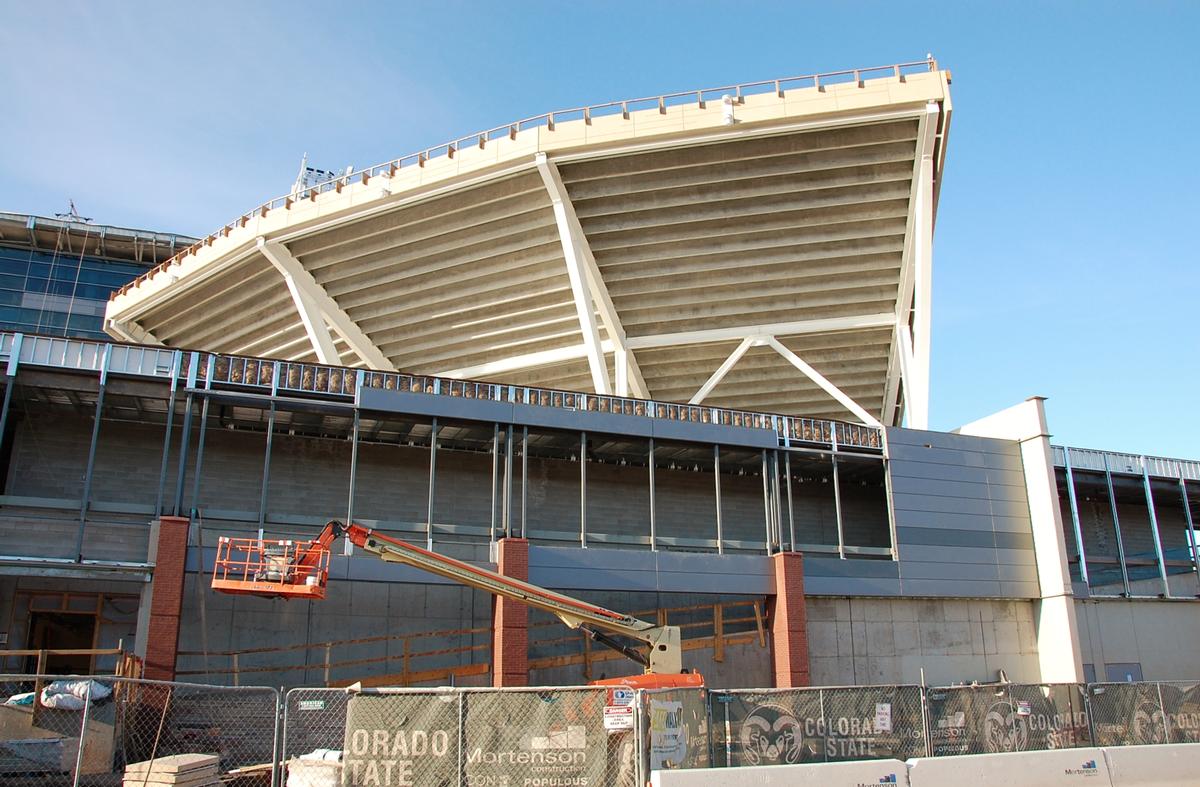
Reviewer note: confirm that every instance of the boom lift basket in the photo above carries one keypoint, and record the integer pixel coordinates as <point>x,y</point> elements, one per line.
<point>289,569</point>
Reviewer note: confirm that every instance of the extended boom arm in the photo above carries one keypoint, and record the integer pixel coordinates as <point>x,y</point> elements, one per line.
<point>665,651</point>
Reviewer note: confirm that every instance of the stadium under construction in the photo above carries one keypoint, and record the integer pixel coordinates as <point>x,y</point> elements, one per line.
<point>685,339</point>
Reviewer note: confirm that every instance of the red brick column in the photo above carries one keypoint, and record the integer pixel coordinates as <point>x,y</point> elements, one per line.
<point>166,598</point>
<point>789,625</point>
<point>510,619</point>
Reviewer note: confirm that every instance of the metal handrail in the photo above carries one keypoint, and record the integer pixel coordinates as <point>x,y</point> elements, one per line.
<point>549,120</point>
<point>206,369</point>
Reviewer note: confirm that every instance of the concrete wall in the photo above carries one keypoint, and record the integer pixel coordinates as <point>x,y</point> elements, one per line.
<point>1161,636</point>
<point>863,641</point>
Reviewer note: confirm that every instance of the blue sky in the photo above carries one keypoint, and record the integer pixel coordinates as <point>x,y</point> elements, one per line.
<point>1064,266</point>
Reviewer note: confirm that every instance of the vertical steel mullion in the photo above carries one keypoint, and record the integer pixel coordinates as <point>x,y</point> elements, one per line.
<point>91,460</point>
<point>837,504</point>
<point>583,490</point>
<point>1112,505</point>
<point>14,362</point>
<point>1187,513</point>
<point>354,437</point>
<point>200,462</point>
<point>433,444</point>
<point>186,437</point>
<point>495,480</point>
<point>766,501</point>
<point>184,444</point>
<point>1071,498</point>
<point>717,489</point>
<point>787,478</point>
<point>653,521</point>
<point>266,472</point>
<point>1158,550</point>
<point>176,362</point>
<point>508,481</point>
<point>524,476</point>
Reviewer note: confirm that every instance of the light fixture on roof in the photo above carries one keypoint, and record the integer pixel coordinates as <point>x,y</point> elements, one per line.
<point>727,110</point>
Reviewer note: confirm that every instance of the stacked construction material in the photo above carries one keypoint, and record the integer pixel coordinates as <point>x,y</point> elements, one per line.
<point>178,770</point>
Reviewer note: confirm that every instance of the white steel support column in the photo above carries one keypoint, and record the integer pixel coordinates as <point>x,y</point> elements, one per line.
<point>578,252</point>
<point>914,301</point>
<point>316,308</point>
<point>823,384</point>
<point>580,287</point>
<point>722,370</point>
<point>922,265</point>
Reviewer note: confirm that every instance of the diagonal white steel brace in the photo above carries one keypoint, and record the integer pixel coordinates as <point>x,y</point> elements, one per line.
<point>578,252</point>
<point>722,370</point>
<point>319,312</point>
<point>823,384</point>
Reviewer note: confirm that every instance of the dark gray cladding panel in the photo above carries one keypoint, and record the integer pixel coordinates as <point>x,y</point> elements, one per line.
<point>574,568</point>
<point>962,515</point>
<point>835,567</point>
<point>431,405</point>
<point>562,418</point>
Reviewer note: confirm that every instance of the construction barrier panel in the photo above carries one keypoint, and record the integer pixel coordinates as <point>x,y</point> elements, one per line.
<point>1154,766</point>
<point>1006,718</point>
<point>833,774</point>
<point>676,731</point>
<point>1028,769</point>
<point>793,726</point>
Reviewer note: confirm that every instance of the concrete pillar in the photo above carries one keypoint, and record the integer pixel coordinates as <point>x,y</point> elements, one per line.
<point>510,619</point>
<point>1057,631</point>
<point>789,625</point>
<point>160,639</point>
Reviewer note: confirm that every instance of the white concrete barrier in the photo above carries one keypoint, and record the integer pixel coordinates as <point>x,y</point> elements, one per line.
<point>1165,765</point>
<point>832,774</point>
<point>1028,769</point>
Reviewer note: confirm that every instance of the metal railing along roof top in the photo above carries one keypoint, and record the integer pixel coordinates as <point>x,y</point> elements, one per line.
<point>548,120</point>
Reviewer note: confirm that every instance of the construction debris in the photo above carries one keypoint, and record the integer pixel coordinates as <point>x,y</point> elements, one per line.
<point>178,770</point>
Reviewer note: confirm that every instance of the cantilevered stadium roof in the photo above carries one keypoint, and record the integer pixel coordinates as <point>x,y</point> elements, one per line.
<point>763,246</point>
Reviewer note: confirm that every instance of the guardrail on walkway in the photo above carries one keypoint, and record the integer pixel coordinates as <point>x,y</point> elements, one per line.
<point>208,371</point>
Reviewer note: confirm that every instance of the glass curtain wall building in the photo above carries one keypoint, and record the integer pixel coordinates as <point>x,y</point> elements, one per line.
<point>56,274</point>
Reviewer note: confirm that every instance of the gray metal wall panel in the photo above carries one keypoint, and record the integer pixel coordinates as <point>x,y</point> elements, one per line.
<point>931,503</point>
<point>966,473</point>
<point>948,520</point>
<point>918,437</point>
<point>857,586</point>
<point>835,567</point>
<point>948,571</point>
<point>954,589</point>
<point>916,553</point>
<point>1009,572</point>
<point>714,433</point>
<point>432,405</point>
<point>1020,589</point>
<point>1016,557</point>
<point>963,489</point>
<point>934,536</point>
<point>948,456</point>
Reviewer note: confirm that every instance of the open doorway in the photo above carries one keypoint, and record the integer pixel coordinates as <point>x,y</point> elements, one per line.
<point>62,631</point>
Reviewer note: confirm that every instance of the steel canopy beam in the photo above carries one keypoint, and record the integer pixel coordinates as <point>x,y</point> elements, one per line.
<point>827,325</point>
<point>578,254</point>
<point>822,383</point>
<point>722,370</point>
<point>316,308</point>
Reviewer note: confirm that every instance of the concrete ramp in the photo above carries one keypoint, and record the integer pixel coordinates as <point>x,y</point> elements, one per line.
<point>831,774</point>
<point>1167,765</point>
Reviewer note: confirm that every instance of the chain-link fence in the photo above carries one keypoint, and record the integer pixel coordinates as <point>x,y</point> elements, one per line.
<point>68,731</point>
<point>58,730</point>
<point>787,726</point>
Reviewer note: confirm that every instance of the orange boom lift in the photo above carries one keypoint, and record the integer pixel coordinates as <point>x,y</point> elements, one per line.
<point>300,569</point>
